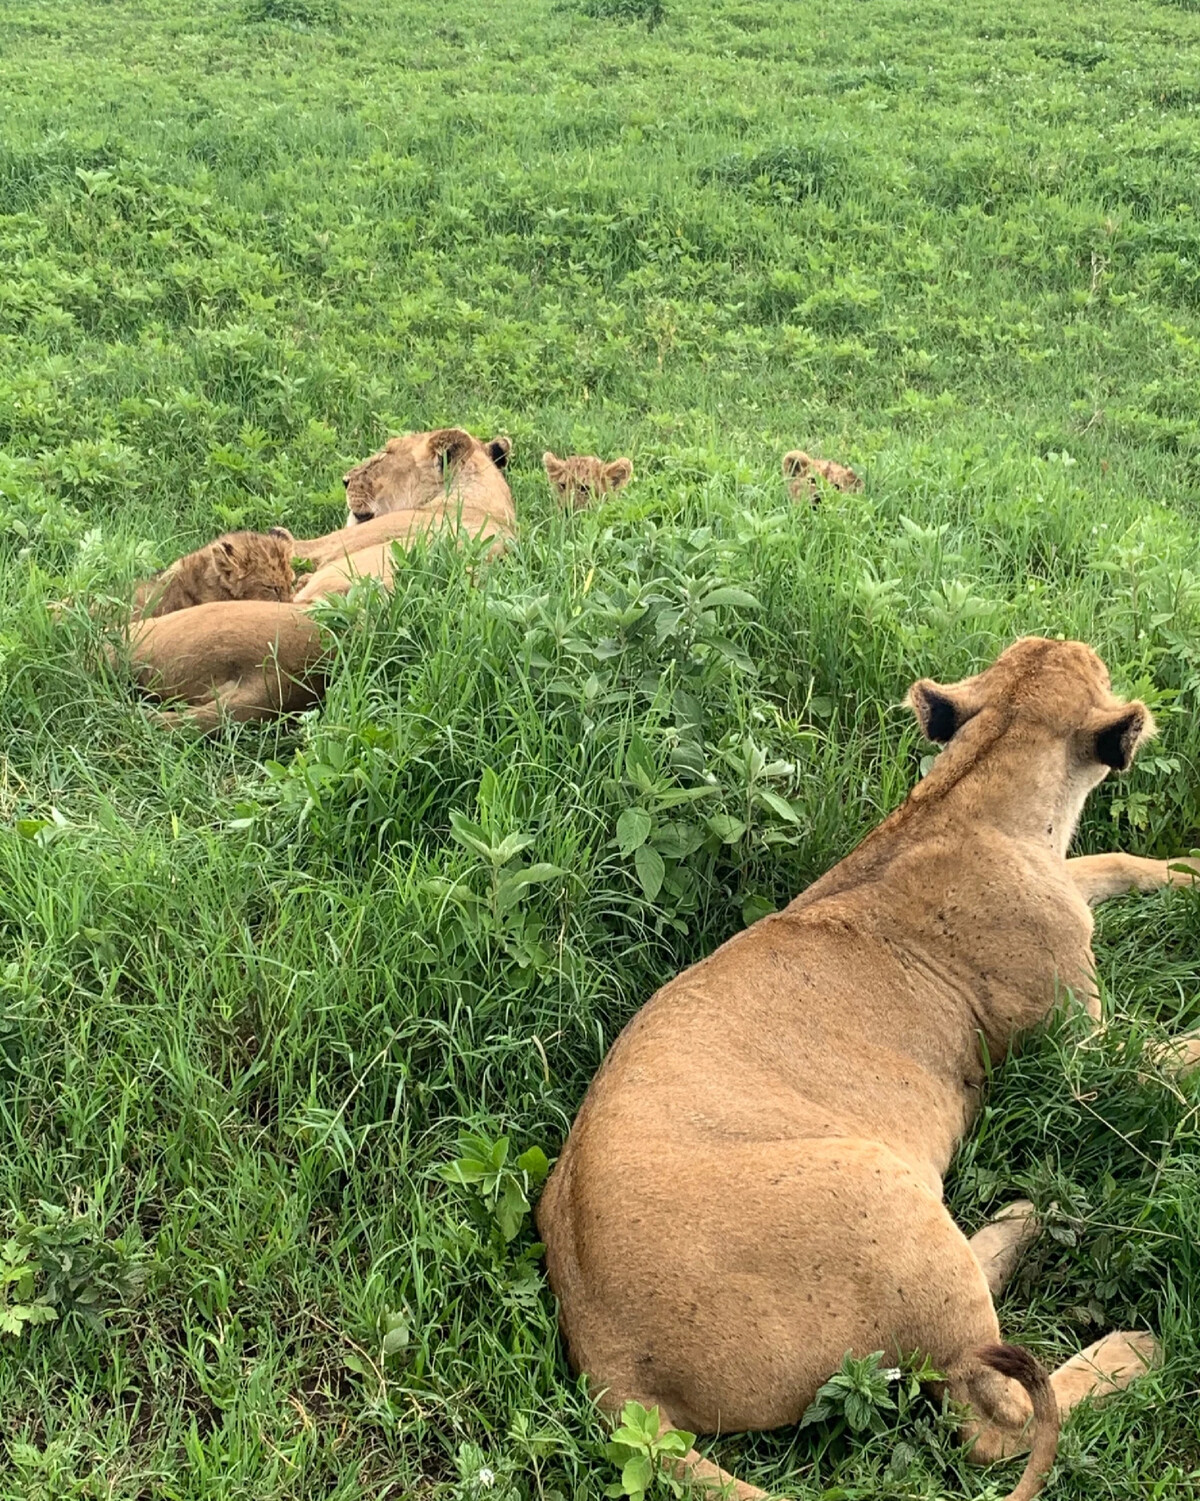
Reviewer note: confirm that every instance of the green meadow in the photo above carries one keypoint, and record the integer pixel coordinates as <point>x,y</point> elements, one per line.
<point>259,993</point>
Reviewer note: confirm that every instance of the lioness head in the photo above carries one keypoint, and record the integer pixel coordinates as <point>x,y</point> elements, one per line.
<point>582,478</point>
<point>1050,705</point>
<point>803,473</point>
<point>417,470</point>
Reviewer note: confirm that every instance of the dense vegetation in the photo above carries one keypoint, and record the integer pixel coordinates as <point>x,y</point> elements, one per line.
<point>254,993</point>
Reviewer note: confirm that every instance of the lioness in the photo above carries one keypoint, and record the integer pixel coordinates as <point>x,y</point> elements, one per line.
<point>412,486</point>
<point>582,478</point>
<point>236,659</point>
<point>753,1184</point>
<point>238,565</point>
<point>803,472</point>
<point>253,664</point>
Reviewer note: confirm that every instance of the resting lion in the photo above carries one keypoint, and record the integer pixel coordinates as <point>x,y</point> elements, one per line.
<point>753,1184</point>
<point>236,659</point>
<point>239,565</point>
<point>803,474</point>
<point>582,478</point>
<point>256,661</point>
<point>412,486</point>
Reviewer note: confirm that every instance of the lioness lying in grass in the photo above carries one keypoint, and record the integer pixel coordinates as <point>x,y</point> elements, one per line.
<point>753,1184</point>
<point>245,660</point>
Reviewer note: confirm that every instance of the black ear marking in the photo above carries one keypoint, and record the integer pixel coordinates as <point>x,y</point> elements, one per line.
<point>940,719</point>
<point>498,451</point>
<point>228,548</point>
<point>1117,742</point>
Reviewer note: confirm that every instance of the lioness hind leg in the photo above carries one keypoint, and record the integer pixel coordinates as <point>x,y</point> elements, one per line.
<point>1099,877</point>
<point>1003,1429</point>
<point>1000,1244</point>
<point>204,717</point>
<point>1180,1056</point>
<point>708,1478</point>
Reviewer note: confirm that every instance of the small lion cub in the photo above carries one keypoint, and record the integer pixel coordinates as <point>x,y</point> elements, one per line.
<point>582,478</point>
<point>802,473</point>
<point>238,565</point>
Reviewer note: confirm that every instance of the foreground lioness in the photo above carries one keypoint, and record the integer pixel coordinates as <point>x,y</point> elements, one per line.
<point>412,486</point>
<point>238,565</point>
<point>803,473</point>
<point>753,1185</point>
<point>583,478</point>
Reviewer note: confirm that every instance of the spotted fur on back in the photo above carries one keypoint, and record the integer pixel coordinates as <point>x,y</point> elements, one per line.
<point>238,565</point>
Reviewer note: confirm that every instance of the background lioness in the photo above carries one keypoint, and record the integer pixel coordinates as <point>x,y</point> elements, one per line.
<point>256,663</point>
<point>753,1184</point>
<point>412,486</point>
<point>238,565</point>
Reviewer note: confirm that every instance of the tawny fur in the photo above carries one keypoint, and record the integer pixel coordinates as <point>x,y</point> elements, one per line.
<point>239,661</point>
<point>753,1184</point>
<point>805,475</point>
<point>238,565</point>
<point>412,486</point>
<point>236,659</point>
<point>583,478</point>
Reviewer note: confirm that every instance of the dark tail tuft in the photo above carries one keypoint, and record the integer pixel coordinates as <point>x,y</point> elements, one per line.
<point>1019,1365</point>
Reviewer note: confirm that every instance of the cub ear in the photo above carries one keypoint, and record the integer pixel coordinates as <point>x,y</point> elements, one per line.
<point>552,464</point>
<point>498,451</point>
<point>1119,737</point>
<point>282,533</point>
<point>941,712</point>
<point>618,473</point>
<point>796,462</point>
<point>226,546</point>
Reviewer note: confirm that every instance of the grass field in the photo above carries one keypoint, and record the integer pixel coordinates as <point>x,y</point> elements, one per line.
<point>254,992</point>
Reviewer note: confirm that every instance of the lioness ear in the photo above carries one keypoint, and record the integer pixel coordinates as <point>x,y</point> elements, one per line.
<point>618,473</point>
<point>941,712</point>
<point>451,445</point>
<point>1117,741</point>
<point>282,533</point>
<point>227,547</point>
<point>498,451</point>
<point>796,462</point>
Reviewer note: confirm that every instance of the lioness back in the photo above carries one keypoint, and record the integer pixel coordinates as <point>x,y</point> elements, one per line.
<point>238,565</point>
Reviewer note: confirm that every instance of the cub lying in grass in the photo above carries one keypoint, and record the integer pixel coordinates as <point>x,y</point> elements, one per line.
<point>579,480</point>
<point>753,1184</point>
<point>804,475</point>
<point>238,565</point>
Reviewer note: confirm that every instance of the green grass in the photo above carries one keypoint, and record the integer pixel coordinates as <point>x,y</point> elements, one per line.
<point>253,992</point>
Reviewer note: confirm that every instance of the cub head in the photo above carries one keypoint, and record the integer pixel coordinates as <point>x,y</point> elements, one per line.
<point>804,476</point>
<point>583,478</point>
<point>1044,717</point>
<point>422,468</point>
<point>247,565</point>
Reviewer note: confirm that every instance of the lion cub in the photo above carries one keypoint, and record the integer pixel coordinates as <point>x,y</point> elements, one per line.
<point>238,565</point>
<point>582,478</point>
<point>802,473</point>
